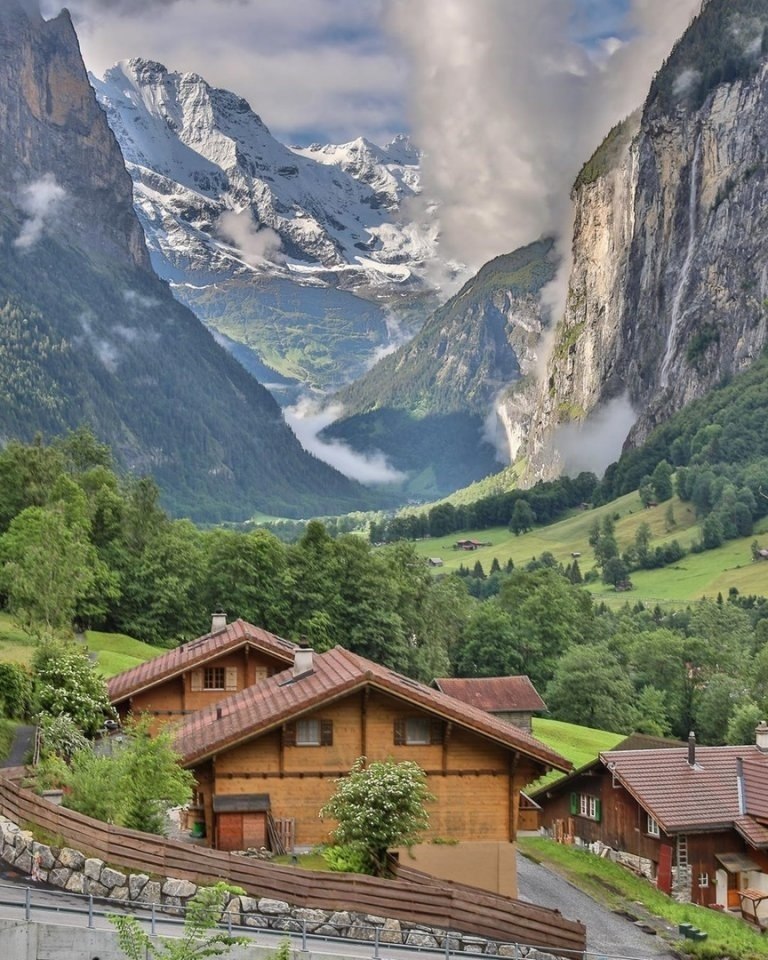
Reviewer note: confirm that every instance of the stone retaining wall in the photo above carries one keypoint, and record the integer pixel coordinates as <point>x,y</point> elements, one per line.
<point>71,870</point>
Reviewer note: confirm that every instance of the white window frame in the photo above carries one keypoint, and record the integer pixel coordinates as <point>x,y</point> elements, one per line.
<point>418,731</point>
<point>308,732</point>
<point>652,826</point>
<point>587,806</point>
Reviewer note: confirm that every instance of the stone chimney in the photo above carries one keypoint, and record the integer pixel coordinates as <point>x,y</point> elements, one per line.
<point>761,736</point>
<point>303,661</point>
<point>218,621</point>
<point>691,749</point>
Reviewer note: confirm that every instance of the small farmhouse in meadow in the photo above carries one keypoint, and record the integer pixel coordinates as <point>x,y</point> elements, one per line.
<point>693,819</point>
<point>514,699</point>
<point>269,756</point>
<point>197,674</point>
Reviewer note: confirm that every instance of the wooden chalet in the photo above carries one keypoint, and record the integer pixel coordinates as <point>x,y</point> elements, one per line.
<point>693,819</point>
<point>514,699</point>
<point>202,672</point>
<point>271,753</point>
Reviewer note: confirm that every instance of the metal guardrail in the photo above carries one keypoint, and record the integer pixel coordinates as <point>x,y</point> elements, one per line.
<point>87,910</point>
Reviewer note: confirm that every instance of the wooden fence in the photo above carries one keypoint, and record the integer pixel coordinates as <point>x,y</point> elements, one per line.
<point>412,897</point>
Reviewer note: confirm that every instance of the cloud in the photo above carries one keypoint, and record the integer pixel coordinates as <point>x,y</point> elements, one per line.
<point>507,104</point>
<point>107,352</point>
<point>396,337</point>
<point>255,243</point>
<point>307,420</point>
<point>314,69</point>
<point>595,443</point>
<point>138,301</point>
<point>41,200</point>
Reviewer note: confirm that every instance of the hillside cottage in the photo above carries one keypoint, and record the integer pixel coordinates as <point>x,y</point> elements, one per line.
<point>200,673</point>
<point>514,699</point>
<point>693,819</point>
<point>271,753</point>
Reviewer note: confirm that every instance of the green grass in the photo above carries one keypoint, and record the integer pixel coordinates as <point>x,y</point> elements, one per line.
<point>618,888</point>
<point>114,652</point>
<point>7,729</point>
<point>695,576</point>
<point>307,861</point>
<point>578,744</point>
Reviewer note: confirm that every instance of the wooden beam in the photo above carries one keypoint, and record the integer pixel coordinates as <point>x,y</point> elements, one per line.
<point>446,737</point>
<point>366,694</point>
<point>514,795</point>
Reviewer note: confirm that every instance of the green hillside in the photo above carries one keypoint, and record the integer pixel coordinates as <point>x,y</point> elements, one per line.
<point>696,575</point>
<point>113,652</point>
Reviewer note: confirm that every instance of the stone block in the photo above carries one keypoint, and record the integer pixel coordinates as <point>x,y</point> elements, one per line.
<point>391,932</point>
<point>95,888</point>
<point>59,876</point>
<point>120,893</point>
<point>93,867</point>
<point>420,938</point>
<point>151,892</point>
<point>249,905</point>
<point>179,888</point>
<point>24,861</point>
<point>273,908</point>
<point>76,883</point>
<point>286,923</point>
<point>311,917</point>
<point>112,878</point>
<point>341,919</point>
<point>256,920</point>
<point>136,883</point>
<point>71,859</point>
<point>47,860</point>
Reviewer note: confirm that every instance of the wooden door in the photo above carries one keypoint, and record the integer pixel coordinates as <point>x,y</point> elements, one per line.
<point>229,831</point>
<point>664,872</point>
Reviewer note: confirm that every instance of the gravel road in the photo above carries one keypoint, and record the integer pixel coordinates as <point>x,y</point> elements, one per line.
<point>608,934</point>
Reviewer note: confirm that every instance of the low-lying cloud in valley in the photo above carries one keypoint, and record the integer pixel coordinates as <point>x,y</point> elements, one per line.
<point>595,443</point>
<point>255,243</point>
<point>307,419</point>
<point>41,201</point>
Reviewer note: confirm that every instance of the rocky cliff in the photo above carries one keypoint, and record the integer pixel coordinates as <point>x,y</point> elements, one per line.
<point>667,294</point>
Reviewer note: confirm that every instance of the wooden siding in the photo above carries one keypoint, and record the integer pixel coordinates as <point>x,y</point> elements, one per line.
<point>475,781</point>
<point>172,699</point>
<point>419,899</point>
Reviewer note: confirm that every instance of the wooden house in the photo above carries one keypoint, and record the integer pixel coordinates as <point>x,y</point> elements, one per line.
<point>514,699</point>
<point>272,752</point>
<point>693,819</point>
<point>200,673</point>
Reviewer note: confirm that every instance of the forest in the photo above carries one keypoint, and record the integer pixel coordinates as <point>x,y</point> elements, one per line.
<point>81,545</point>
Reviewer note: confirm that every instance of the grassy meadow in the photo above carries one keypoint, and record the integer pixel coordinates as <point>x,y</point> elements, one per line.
<point>113,652</point>
<point>695,576</point>
<point>580,745</point>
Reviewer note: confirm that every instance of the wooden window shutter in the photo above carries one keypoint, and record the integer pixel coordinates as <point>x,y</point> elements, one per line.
<point>196,681</point>
<point>230,681</point>
<point>436,731</point>
<point>289,735</point>
<point>575,803</point>
<point>326,733</point>
<point>399,733</point>
<point>598,810</point>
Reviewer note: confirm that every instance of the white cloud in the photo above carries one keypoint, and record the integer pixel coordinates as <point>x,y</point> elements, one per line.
<point>255,243</point>
<point>596,442</point>
<point>41,200</point>
<point>307,420</point>
<point>507,106</point>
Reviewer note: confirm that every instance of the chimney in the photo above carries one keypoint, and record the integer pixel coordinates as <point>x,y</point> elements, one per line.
<point>302,661</point>
<point>761,736</point>
<point>691,749</point>
<point>218,621</point>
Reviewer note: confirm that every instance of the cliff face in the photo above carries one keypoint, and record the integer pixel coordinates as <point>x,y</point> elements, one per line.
<point>667,295</point>
<point>49,119</point>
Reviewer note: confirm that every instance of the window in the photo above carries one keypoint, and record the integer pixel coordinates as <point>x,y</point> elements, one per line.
<point>214,678</point>
<point>703,881</point>
<point>308,732</point>
<point>652,827</point>
<point>585,805</point>
<point>418,731</point>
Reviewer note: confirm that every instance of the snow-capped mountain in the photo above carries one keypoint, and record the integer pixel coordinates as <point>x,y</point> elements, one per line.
<point>223,202</point>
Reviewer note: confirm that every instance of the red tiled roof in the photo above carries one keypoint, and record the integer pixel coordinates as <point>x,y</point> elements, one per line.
<point>169,664</point>
<point>494,694</point>
<point>753,832</point>
<point>681,797</point>
<point>755,788</point>
<point>281,698</point>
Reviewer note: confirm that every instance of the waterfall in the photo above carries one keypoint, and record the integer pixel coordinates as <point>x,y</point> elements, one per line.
<point>685,273</point>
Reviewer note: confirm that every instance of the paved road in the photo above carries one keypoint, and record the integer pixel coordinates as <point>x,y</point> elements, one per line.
<point>607,933</point>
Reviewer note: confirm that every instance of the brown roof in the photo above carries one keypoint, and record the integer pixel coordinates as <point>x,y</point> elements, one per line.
<point>236,634</point>
<point>335,674</point>
<point>494,694</point>
<point>681,797</point>
<point>755,788</point>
